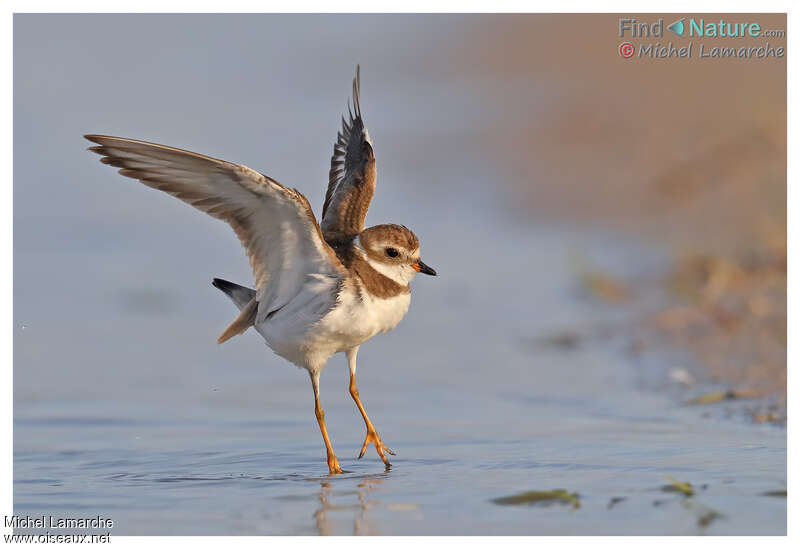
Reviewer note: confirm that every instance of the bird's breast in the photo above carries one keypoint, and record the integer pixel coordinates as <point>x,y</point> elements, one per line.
<point>387,313</point>
<point>356,317</point>
<point>360,315</point>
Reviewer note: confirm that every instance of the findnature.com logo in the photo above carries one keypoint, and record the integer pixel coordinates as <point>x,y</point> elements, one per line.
<point>696,27</point>
<point>691,27</point>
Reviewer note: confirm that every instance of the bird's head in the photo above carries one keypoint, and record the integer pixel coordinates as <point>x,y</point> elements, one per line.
<point>393,250</point>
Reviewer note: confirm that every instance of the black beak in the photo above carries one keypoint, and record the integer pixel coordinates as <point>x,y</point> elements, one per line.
<point>422,268</point>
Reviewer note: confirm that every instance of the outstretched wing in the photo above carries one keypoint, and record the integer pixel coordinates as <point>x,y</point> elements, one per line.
<point>275,224</point>
<point>351,181</point>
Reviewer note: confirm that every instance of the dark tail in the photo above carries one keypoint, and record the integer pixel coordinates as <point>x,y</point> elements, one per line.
<point>245,299</point>
<point>240,295</point>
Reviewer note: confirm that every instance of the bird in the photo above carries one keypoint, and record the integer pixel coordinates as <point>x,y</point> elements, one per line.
<point>321,288</point>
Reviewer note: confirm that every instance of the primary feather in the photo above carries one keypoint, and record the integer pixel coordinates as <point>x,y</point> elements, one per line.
<point>352,177</point>
<point>274,223</point>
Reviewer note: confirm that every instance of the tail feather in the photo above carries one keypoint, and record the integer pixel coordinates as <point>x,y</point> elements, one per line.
<point>240,295</point>
<point>245,299</point>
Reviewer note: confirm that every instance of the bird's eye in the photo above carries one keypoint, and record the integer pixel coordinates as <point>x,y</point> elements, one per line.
<point>391,252</point>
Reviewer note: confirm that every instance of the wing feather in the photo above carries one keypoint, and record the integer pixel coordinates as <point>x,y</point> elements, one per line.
<point>351,180</point>
<point>274,223</point>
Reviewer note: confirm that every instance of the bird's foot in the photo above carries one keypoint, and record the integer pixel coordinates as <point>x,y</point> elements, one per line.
<point>372,436</point>
<point>333,465</point>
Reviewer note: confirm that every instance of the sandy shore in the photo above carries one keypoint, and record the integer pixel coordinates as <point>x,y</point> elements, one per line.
<point>685,153</point>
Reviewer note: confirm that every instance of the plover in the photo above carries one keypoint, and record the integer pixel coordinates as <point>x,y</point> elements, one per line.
<point>320,288</point>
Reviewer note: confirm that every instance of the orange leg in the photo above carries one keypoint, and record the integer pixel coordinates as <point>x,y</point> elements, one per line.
<point>372,434</point>
<point>333,463</point>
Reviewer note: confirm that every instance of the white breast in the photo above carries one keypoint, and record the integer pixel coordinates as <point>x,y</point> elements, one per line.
<point>309,342</point>
<point>385,314</point>
<point>360,316</point>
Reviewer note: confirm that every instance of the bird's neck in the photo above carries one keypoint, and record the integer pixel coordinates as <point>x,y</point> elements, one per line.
<point>370,278</point>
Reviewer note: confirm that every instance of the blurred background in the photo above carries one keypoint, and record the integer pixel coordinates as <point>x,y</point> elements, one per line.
<point>610,235</point>
<point>689,156</point>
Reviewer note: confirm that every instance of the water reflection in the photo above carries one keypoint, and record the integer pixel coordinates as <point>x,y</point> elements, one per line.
<point>326,522</point>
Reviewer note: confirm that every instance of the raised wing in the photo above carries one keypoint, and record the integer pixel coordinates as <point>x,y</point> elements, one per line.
<point>275,224</point>
<point>351,181</point>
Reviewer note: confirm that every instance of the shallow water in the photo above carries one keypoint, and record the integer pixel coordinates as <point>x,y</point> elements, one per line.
<point>125,407</point>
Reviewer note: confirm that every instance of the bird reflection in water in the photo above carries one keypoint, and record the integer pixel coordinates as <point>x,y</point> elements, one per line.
<point>330,516</point>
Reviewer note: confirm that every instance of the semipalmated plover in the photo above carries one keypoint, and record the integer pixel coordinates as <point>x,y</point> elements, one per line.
<point>321,289</point>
